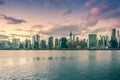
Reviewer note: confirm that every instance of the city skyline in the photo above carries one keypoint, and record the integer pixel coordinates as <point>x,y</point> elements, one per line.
<point>64,43</point>
<point>25,18</point>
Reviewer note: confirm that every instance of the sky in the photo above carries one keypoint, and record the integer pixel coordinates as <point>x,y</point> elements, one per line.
<point>25,18</point>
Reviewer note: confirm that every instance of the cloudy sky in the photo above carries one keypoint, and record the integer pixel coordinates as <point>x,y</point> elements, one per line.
<point>24,18</point>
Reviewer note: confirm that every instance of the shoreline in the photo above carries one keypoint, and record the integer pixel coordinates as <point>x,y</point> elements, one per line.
<point>57,49</point>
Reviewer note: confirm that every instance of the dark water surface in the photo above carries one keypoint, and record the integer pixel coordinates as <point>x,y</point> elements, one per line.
<point>60,65</point>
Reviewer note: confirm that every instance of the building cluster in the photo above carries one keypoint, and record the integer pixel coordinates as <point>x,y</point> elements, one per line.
<point>71,43</point>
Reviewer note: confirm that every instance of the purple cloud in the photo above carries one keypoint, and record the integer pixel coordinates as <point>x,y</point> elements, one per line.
<point>21,35</point>
<point>66,12</point>
<point>25,30</point>
<point>104,11</point>
<point>89,20</point>
<point>11,20</point>
<point>3,36</point>
<point>89,3</point>
<point>63,30</point>
<point>37,26</point>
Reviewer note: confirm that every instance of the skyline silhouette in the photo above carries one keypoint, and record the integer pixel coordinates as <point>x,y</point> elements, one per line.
<point>72,42</point>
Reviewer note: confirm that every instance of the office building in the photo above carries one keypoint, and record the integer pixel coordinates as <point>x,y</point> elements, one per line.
<point>50,43</point>
<point>113,41</point>
<point>64,43</point>
<point>114,33</point>
<point>27,44</point>
<point>92,41</point>
<point>36,41</point>
<point>43,44</point>
<point>57,44</point>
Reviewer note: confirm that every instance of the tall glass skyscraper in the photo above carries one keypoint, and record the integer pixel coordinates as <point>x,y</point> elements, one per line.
<point>92,41</point>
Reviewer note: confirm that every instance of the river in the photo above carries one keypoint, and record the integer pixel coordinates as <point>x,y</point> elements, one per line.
<point>59,65</point>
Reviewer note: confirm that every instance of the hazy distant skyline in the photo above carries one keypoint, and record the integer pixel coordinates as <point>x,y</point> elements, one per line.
<point>23,18</point>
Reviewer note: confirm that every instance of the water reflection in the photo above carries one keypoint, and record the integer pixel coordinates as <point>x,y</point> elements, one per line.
<point>60,65</point>
<point>53,58</point>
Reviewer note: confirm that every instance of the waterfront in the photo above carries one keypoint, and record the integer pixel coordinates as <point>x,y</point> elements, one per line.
<point>59,65</point>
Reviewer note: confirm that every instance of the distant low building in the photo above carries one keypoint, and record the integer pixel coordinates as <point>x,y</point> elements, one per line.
<point>4,44</point>
<point>15,43</point>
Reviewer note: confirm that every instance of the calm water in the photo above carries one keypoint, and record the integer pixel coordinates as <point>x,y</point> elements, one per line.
<point>60,65</point>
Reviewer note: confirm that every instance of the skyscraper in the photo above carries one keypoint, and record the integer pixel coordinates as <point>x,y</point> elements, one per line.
<point>107,41</point>
<point>27,44</point>
<point>118,34</point>
<point>113,41</point>
<point>71,36</point>
<point>63,43</point>
<point>43,44</point>
<point>57,45</point>
<point>36,41</point>
<point>70,41</point>
<point>118,38</point>
<point>92,41</point>
<point>102,43</point>
<point>77,44</point>
<point>114,33</point>
<point>50,43</point>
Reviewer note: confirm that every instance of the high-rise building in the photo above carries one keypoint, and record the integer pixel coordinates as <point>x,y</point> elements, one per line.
<point>77,44</point>
<point>43,44</point>
<point>118,38</point>
<point>50,43</point>
<point>114,33</point>
<point>70,41</point>
<point>57,44</point>
<point>113,41</point>
<point>102,43</point>
<point>118,34</point>
<point>107,41</point>
<point>70,45</point>
<point>36,41</point>
<point>27,44</point>
<point>63,43</point>
<point>71,36</point>
<point>92,41</point>
<point>21,45</point>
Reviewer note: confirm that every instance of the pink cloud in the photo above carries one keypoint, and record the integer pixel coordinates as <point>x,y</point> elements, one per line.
<point>66,12</point>
<point>95,11</point>
<point>25,30</point>
<point>89,20</point>
<point>105,11</point>
<point>89,3</point>
<point>37,26</point>
<point>2,31</point>
<point>114,23</point>
<point>20,35</point>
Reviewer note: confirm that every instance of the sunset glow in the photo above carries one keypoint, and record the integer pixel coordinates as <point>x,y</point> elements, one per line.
<point>24,18</point>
